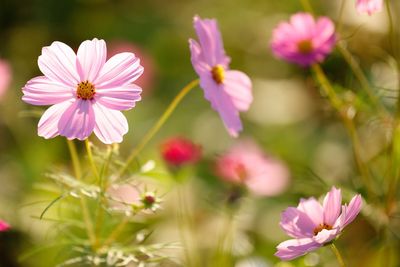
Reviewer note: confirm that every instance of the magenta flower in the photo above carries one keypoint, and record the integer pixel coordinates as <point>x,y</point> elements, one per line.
<point>5,76</point>
<point>229,91</point>
<point>246,164</point>
<point>369,6</point>
<point>4,226</point>
<point>313,225</point>
<point>303,40</point>
<point>87,93</point>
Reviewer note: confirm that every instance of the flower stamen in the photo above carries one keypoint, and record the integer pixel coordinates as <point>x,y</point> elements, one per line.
<point>85,90</point>
<point>305,47</point>
<point>321,227</point>
<point>218,73</point>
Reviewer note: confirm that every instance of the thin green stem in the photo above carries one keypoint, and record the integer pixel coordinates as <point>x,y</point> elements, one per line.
<point>164,117</point>
<point>340,16</point>
<point>85,211</point>
<point>185,229</point>
<point>336,102</point>
<point>307,6</point>
<point>91,160</point>
<point>117,231</point>
<point>75,159</point>
<point>360,76</point>
<point>338,255</point>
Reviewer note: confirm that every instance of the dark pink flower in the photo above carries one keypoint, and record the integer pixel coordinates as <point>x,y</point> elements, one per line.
<point>247,164</point>
<point>4,226</point>
<point>304,40</point>
<point>369,6</point>
<point>313,225</point>
<point>229,91</point>
<point>179,151</point>
<point>87,92</point>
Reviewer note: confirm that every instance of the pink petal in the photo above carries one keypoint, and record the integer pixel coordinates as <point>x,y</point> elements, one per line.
<point>303,24</point>
<point>293,248</point>
<point>110,126</point>
<point>5,76</point>
<point>43,91</point>
<point>120,98</point>
<point>210,41</point>
<point>313,209</point>
<point>324,30</point>
<point>238,86</point>
<point>350,212</point>
<point>199,63</point>
<point>58,63</point>
<point>223,104</point>
<point>369,6</point>
<point>296,223</point>
<point>326,236</point>
<point>332,206</point>
<point>91,57</point>
<point>48,123</point>
<point>78,120</point>
<point>120,70</point>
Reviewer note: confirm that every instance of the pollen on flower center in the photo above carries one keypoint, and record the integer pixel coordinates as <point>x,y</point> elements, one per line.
<point>85,90</point>
<point>305,46</point>
<point>321,227</point>
<point>218,73</point>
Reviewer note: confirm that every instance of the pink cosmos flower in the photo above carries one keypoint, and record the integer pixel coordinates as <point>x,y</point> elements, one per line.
<point>5,76</point>
<point>87,93</point>
<point>229,91</point>
<point>313,225</point>
<point>303,40</point>
<point>247,164</point>
<point>178,151</point>
<point>4,226</point>
<point>369,6</point>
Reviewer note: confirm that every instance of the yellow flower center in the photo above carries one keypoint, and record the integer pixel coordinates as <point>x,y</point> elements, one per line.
<point>321,227</point>
<point>85,90</point>
<point>305,47</point>
<point>218,73</point>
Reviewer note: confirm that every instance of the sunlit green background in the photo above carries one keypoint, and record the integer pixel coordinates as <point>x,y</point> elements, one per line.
<point>288,118</point>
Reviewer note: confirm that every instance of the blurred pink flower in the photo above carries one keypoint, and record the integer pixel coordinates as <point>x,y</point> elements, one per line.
<point>369,6</point>
<point>146,80</point>
<point>178,151</point>
<point>303,40</point>
<point>122,196</point>
<point>5,76</point>
<point>86,91</point>
<point>127,198</point>
<point>229,91</point>
<point>4,226</point>
<point>246,164</point>
<point>313,225</point>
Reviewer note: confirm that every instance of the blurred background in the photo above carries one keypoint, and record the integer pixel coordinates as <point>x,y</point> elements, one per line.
<point>288,119</point>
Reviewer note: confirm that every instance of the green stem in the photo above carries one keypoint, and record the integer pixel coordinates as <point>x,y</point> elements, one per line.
<point>307,6</point>
<point>91,160</point>
<point>75,159</point>
<point>85,211</point>
<point>338,255</point>
<point>336,102</point>
<point>340,16</point>
<point>360,76</point>
<point>117,231</point>
<point>164,117</point>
